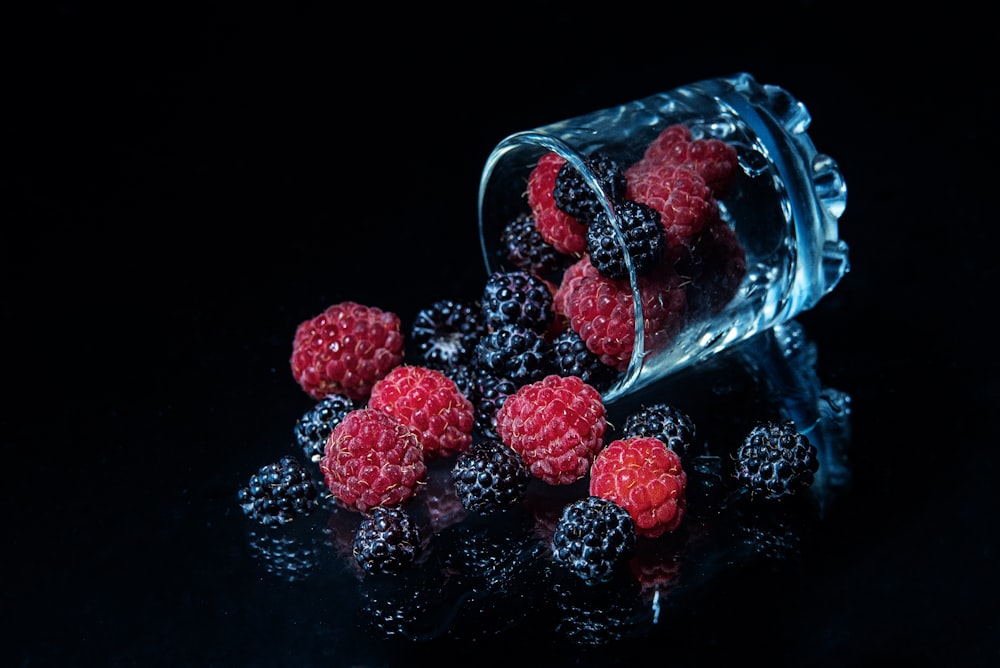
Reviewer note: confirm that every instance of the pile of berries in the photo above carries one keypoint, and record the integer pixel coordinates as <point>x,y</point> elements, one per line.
<point>506,391</point>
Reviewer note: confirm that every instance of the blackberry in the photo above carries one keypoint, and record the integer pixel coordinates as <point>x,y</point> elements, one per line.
<point>665,422</point>
<point>515,352</point>
<point>279,493</point>
<point>387,541</point>
<point>490,477</point>
<point>488,394</point>
<point>645,240</point>
<point>598,616</point>
<point>775,460</point>
<point>574,197</point>
<point>593,537</point>
<point>464,376</point>
<point>527,250</point>
<point>445,333</point>
<point>517,298</point>
<point>573,358</point>
<point>313,428</point>
<point>289,557</point>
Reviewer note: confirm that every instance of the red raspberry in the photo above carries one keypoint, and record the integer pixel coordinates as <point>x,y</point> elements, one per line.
<point>563,232</point>
<point>680,194</point>
<point>669,145</point>
<point>713,159</point>
<point>656,566</point>
<point>570,278</point>
<point>372,459</point>
<point>429,403</point>
<point>345,349</point>
<point>601,310</point>
<point>557,425</point>
<point>645,477</point>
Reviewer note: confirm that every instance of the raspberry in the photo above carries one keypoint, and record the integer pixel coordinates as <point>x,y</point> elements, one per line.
<point>387,541</point>
<point>280,492</point>
<point>594,536</point>
<point>645,477</point>
<point>490,477</point>
<point>776,461</point>
<point>713,159</point>
<point>429,403</point>
<point>669,424</point>
<point>572,194</point>
<point>517,298</point>
<point>682,197</point>
<point>557,425</point>
<point>644,235</point>
<point>663,148</point>
<point>565,233</point>
<point>602,311</point>
<point>372,459</point>
<point>570,278</point>
<point>314,426</point>
<point>345,349</point>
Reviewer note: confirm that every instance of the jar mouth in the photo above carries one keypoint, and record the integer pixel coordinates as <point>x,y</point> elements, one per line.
<point>772,206</point>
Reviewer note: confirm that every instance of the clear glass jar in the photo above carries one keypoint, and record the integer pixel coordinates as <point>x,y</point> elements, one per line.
<point>773,221</point>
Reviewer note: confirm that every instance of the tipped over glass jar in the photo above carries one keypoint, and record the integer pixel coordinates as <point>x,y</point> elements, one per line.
<point>746,212</point>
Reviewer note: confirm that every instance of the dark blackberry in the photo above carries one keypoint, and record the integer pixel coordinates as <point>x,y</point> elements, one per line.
<point>488,394</point>
<point>279,493</point>
<point>714,264</point>
<point>593,537</point>
<point>572,194</point>
<point>517,298</point>
<point>644,235</point>
<point>775,460</point>
<point>387,541</point>
<point>464,376</point>
<point>444,334</point>
<point>490,477</point>
<point>527,250</point>
<point>573,358</point>
<point>515,352</point>
<point>665,422</point>
<point>313,428</point>
<point>291,558</point>
<point>599,615</point>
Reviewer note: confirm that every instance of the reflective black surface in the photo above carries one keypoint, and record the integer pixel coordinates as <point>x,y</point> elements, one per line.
<point>189,186</point>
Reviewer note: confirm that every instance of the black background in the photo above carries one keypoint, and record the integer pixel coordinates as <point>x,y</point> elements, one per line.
<point>186,185</point>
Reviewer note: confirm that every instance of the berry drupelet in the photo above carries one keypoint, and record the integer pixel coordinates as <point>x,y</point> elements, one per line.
<point>279,493</point>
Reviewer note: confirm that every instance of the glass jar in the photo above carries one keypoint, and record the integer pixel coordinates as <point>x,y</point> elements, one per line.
<point>749,206</point>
